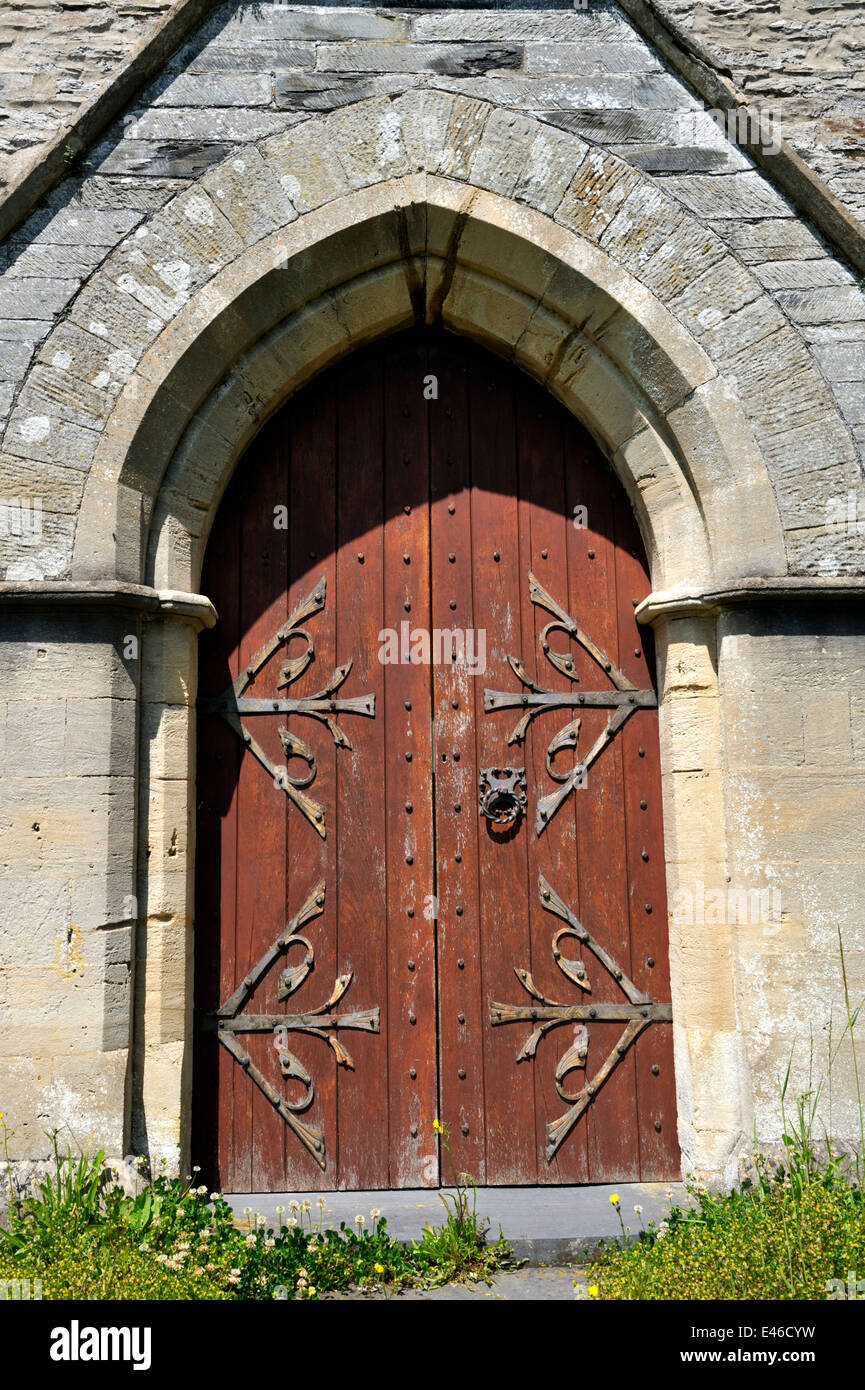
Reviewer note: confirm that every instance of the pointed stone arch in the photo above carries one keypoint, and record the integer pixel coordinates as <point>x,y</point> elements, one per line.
<point>359,222</point>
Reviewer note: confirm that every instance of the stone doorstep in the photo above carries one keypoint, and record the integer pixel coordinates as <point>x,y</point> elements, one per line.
<point>552,1226</point>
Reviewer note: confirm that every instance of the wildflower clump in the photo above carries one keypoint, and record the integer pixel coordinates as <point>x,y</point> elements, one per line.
<point>781,1236</point>
<point>82,1237</point>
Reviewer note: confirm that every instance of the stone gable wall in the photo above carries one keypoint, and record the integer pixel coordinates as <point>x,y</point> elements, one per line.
<point>788,328</point>
<point>53,56</point>
<point>804,62</point>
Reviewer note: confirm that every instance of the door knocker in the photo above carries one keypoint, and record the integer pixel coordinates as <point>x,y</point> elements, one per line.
<point>502,794</point>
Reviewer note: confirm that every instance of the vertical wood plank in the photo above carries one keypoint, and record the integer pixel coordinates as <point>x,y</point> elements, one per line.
<point>612,1146</point>
<point>655,1116</point>
<point>261,806</point>
<point>554,852</point>
<point>411,1039</point>
<point>599,833</point>
<point>359,863</point>
<point>503,870</point>
<point>462,1023</point>
<point>312,530</point>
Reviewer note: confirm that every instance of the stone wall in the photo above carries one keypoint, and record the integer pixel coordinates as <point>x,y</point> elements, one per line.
<point>53,57</point>
<point>802,62</point>
<point>67,826</point>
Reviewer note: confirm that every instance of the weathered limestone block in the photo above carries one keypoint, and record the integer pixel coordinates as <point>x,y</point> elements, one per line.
<point>396,55</point>
<point>117,318</point>
<point>643,224</point>
<point>591,57</point>
<point>306,166</point>
<point>368,143</point>
<point>212,90</point>
<point>551,164</point>
<point>736,196</point>
<point>500,158</point>
<point>249,195</point>
<point>33,297</point>
<point>599,188</point>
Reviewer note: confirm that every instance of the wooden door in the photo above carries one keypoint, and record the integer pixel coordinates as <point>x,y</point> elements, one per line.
<point>401,914</point>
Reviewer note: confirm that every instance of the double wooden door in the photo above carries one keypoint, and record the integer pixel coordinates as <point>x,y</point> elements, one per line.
<point>430,870</point>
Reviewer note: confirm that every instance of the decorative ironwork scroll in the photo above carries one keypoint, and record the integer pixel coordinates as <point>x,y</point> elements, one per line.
<point>624,699</point>
<point>545,1014</point>
<point>322,1022</point>
<point>323,705</point>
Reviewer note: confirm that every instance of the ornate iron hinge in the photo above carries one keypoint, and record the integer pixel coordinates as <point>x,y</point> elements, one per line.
<point>231,704</point>
<point>322,1022</point>
<point>625,699</point>
<point>637,1014</point>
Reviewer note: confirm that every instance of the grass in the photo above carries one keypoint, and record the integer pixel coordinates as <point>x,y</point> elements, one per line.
<point>778,1237</point>
<point>792,1231</point>
<point>82,1237</point>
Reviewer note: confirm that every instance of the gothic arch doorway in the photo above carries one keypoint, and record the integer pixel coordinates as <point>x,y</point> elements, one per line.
<point>430,868</point>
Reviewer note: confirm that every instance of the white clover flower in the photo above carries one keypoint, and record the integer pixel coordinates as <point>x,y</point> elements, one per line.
<point>291,1222</point>
<point>360,1220</point>
<point>320,1204</point>
<point>280,1210</point>
<point>247,1211</point>
<point>202,1191</point>
<point>638,1209</point>
<point>375,1213</point>
<point>306,1206</point>
<point>250,1240</point>
<point>197,1168</point>
<point>216,1196</point>
<point>269,1243</point>
<point>260,1221</point>
<point>144,1245</point>
<point>293,1205</point>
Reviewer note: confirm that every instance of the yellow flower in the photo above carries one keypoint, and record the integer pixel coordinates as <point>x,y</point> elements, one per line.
<point>593,1291</point>
<point>614,1198</point>
<point>379,1269</point>
<point>437,1127</point>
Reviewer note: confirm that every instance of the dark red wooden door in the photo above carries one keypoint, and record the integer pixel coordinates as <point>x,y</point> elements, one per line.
<point>371,951</point>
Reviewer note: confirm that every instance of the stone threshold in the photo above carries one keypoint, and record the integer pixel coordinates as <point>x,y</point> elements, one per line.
<point>544,1225</point>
